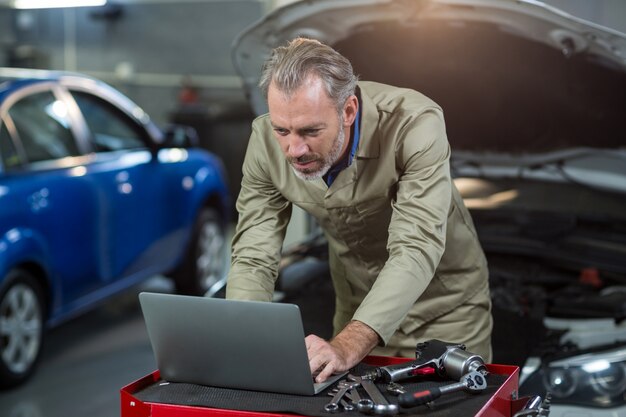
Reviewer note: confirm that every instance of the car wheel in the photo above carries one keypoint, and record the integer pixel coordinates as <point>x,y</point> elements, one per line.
<point>21,327</point>
<point>204,267</point>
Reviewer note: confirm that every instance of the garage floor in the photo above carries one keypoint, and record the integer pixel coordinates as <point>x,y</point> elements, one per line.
<point>86,361</point>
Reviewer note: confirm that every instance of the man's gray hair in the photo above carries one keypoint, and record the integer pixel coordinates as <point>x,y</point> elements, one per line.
<point>289,66</point>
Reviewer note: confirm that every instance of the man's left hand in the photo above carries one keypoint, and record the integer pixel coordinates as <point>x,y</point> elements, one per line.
<point>343,352</point>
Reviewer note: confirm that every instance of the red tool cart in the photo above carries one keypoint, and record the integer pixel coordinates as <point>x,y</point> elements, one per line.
<point>501,403</point>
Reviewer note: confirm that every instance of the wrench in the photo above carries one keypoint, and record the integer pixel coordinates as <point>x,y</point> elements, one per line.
<point>354,396</point>
<point>333,405</point>
<point>377,404</point>
<point>347,405</point>
<point>343,387</point>
<point>351,394</point>
<point>473,382</point>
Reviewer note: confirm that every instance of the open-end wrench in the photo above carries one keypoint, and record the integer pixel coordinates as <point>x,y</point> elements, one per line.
<point>377,404</point>
<point>354,396</point>
<point>343,387</point>
<point>351,394</point>
<point>347,405</point>
<point>473,382</point>
<point>333,405</point>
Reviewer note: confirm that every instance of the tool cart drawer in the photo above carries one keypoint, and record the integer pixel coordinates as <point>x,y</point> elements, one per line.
<point>150,396</point>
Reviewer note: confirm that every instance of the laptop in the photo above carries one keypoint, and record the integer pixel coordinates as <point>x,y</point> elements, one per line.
<point>248,345</point>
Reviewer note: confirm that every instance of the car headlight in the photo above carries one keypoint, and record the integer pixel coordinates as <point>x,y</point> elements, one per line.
<point>596,379</point>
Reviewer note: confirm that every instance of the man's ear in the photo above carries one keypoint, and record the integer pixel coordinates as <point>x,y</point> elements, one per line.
<point>350,110</point>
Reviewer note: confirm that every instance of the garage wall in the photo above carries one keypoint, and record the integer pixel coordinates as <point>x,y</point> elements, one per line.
<point>144,48</point>
<point>6,34</point>
<point>147,47</point>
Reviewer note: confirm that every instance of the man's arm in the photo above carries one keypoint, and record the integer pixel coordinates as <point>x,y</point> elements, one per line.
<point>417,229</point>
<point>343,352</point>
<point>263,217</point>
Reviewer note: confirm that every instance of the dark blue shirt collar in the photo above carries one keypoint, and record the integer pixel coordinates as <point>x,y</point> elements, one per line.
<point>345,162</point>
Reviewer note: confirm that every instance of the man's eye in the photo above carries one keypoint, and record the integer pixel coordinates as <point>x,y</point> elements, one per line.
<point>311,132</point>
<point>281,132</point>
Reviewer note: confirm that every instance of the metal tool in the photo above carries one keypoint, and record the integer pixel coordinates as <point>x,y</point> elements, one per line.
<point>458,362</point>
<point>394,388</point>
<point>473,382</point>
<point>352,391</point>
<point>535,407</point>
<point>377,403</point>
<point>348,406</point>
<point>334,405</point>
<point>354,395</point>
<point>433,356</point>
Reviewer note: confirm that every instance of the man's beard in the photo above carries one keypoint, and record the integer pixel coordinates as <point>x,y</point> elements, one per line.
<point>326,162</point>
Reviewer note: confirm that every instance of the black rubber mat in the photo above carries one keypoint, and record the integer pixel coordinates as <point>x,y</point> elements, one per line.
<point>457,404</point>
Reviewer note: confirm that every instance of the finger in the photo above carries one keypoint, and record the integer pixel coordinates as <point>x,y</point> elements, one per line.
<point>316,346</point>
<point>316,362</point>
<point>328,370</point>
<point>310,341</point>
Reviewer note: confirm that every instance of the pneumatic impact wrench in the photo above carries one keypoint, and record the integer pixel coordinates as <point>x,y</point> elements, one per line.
<point>433,356</point>
<point>436,357</point>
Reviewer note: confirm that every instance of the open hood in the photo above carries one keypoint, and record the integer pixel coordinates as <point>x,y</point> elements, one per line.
<point>513,77</point>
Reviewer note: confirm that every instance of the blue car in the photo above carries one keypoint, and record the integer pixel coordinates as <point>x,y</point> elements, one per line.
<point>94,199</point>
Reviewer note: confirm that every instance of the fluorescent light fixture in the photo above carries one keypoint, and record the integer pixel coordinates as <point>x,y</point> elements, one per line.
<point>46,4</point>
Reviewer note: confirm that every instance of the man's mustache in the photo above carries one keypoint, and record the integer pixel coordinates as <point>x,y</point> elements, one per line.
<point>304,159</point>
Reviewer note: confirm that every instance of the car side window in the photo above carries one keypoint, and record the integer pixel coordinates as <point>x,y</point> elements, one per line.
<point>111,129</point>
<point>10,157</point>
<point>43,127</point>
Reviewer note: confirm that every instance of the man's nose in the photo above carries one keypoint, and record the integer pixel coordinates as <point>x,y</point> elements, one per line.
<point>296,147</point>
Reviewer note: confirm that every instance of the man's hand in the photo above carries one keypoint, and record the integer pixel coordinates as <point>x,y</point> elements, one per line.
<point>343,352</point>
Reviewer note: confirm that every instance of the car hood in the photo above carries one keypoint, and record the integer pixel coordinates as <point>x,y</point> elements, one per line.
<point>527,90</point>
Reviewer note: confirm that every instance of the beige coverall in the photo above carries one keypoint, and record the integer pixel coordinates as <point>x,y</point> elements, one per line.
<point>404,255</point>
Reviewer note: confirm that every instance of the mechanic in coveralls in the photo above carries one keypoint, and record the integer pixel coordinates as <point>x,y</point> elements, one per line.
<point>371,163</point>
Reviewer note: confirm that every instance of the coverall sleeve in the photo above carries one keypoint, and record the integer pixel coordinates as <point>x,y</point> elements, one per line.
<point>263,218</point>
<point>417,229</point>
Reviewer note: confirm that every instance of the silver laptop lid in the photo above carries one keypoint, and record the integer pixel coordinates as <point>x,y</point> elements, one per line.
<point>229,343</point>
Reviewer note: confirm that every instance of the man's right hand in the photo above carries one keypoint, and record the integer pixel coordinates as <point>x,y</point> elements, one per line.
<point>343,352</point>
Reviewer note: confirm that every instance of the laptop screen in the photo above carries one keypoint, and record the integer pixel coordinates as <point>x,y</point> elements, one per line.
<point>229,343</point>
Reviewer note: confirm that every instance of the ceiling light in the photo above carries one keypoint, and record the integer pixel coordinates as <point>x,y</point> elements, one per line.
<point>44,4</point>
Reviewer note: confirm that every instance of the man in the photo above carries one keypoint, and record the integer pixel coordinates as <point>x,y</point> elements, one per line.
<point>371,163</point>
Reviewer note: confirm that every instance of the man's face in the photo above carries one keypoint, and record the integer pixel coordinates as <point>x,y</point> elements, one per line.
<point>309,129</point>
